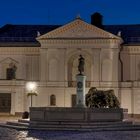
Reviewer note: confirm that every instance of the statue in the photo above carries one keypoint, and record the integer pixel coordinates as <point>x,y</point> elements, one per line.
<point>81,80</point>
<point>81,65</point>
<point>11,71</point>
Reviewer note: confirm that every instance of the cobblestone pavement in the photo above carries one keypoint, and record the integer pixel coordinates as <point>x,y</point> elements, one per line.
<point>11,134</point>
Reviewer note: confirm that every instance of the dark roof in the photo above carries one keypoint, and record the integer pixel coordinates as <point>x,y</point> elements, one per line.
<point>28,33</point>
<point>23,33</point>
<point>129,33</point>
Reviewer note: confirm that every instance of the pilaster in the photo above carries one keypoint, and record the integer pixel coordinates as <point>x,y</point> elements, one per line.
<point>96,65</point>
<point>43,65</point>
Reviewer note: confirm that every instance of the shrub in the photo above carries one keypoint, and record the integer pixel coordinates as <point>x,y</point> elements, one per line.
<point>101,99</point>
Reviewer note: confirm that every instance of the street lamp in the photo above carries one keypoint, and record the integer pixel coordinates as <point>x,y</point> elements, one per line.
<point>31,88</point>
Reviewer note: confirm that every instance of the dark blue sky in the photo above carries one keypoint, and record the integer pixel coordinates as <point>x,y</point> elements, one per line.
<point>63,11</point>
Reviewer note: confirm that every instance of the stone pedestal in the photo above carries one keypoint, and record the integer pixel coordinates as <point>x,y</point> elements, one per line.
<point>80,100</point>
<point>75,114</point>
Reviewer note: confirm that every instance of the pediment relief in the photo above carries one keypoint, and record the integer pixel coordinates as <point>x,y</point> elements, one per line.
<point>8,60</point>
<point>77,29</point>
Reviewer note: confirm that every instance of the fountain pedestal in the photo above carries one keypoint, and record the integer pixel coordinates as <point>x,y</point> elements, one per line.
<point>80,98</point>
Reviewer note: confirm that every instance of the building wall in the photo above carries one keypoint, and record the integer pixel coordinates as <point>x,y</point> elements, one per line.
<point>26,59</point>
<point>27,62</point>
<point>127,92</point>
<point>54,67</point>
<point>131,63</point>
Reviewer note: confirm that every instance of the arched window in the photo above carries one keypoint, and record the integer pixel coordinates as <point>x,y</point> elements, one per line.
<point>52,100</point>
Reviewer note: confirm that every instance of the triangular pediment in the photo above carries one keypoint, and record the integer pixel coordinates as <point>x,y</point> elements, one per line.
<point>9,60</point>
<point>77,29</point>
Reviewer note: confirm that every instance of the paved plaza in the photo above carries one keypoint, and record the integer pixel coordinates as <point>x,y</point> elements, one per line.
<point>11,134</point>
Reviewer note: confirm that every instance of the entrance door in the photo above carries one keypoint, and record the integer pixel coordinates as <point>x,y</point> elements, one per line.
<point>73,100</point>
<point>5,102</point>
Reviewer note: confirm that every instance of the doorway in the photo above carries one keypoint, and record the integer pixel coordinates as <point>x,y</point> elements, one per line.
<point>5,102</point>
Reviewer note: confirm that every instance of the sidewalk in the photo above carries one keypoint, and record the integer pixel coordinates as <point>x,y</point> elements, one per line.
<point>4,118</point>
<point>135,120</point>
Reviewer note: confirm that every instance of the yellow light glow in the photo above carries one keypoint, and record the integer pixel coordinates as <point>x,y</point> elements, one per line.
<point>31,86</point>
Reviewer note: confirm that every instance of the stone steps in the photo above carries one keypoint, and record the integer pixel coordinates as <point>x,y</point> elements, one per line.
<point>23,120</point>
<point>66,126</point>
<point>15,126</point>
<point>73,126</point>
<point>16,123</point>
<point>80,123</point>
<point>89,129</point>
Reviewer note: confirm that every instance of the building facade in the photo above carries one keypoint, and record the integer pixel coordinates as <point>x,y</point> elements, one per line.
<point>48,55</point>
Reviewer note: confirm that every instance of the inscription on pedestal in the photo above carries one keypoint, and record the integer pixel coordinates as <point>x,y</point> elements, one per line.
<point>80,90</point>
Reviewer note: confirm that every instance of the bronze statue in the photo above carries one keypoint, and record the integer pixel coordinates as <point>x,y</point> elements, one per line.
<point>81,65</point>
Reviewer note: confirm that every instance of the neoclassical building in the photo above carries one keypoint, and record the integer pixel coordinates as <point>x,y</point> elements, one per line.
<point>48,55</point>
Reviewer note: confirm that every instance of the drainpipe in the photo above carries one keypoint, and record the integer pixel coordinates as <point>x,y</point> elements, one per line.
<point>121,62</point>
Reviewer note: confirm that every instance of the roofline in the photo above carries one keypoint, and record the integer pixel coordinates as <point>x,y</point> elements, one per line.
<point>20,44</point>
<point>132,44</point>
<point>75,38</point>
<point>122,25</point>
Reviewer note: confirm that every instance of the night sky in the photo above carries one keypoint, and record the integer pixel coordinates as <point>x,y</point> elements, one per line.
<point>63,11</point>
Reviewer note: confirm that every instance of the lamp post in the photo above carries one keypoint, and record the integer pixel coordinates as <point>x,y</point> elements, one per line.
<point>31,88</point>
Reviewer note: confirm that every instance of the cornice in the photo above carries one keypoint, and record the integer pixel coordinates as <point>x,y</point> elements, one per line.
<point>70,43</point>
<point>20,50</point>
<point>131,49</point>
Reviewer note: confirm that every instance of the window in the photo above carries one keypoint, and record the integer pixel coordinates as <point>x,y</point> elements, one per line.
<point>52,100</point>
<point>11,72</point>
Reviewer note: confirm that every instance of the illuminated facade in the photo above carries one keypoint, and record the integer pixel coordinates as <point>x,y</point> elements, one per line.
<point>49,55</point>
